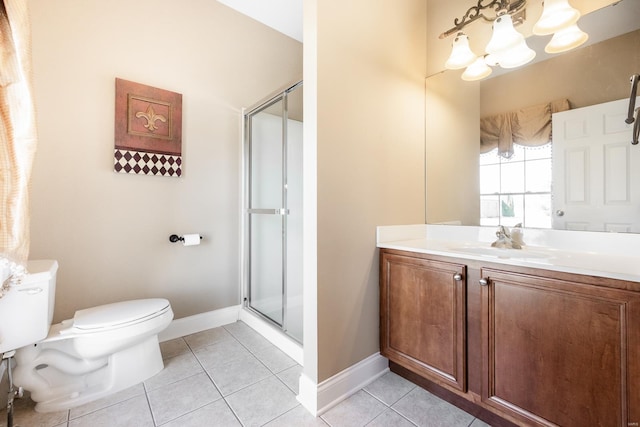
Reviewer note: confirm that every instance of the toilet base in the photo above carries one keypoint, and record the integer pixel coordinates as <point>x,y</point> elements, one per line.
<point>122,370</point>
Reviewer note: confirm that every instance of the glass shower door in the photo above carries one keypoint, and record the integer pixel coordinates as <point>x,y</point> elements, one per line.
<point>273,220</point>
<point>267,213</point>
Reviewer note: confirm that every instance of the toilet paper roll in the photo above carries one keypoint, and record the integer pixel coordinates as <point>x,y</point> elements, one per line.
<point>191,239</point>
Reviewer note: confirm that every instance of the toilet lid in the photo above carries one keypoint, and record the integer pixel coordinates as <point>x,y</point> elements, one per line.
<point>119,313</point>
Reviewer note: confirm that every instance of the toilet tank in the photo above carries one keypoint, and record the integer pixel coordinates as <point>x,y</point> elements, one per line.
<point>26,310</point>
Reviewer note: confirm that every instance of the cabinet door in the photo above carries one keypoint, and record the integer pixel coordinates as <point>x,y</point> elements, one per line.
<point>422,317</point>
<point>557,352</point>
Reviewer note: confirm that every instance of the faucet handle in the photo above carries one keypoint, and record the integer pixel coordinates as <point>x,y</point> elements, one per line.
<point>503,231</point>
<point>516,236</point>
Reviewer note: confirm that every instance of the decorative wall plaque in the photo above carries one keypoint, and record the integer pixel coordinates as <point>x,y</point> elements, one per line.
<point>148,130</point>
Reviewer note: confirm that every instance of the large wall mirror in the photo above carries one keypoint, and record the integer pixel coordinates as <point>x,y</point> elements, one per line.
<point>469,187</point>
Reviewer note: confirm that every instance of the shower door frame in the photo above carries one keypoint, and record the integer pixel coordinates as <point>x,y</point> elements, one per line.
<point>248,210</point>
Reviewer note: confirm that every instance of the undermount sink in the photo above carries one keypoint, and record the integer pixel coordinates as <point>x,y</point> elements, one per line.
<point>501,252</point>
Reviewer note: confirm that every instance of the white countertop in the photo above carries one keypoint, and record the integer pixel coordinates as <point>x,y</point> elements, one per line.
<point>611,255</point>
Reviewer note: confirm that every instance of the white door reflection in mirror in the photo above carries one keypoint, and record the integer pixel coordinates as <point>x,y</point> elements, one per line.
<point>596,170</point>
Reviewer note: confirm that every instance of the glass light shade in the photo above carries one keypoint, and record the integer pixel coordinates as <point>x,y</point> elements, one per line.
<point>477,70</point>
<point>556,15</point>
<point>491,60</point>
<point>566,39</point>
<point>504,36</point>
<point>461,54</point>
<point>517,56</point>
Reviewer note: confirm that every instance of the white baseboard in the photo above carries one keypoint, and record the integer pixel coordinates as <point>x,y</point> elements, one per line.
<point>199,322</point>
<point>213,319</point>
<point>319,398</point>
<point>290,347</point>
<point>308,394</point>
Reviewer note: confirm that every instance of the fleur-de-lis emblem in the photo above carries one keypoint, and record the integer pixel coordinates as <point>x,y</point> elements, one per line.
<point>151,117</point>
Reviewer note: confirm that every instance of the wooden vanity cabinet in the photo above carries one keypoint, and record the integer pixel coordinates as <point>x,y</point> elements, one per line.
<point>540,348</point>
<point>560,352</point>
<point>423,317</point>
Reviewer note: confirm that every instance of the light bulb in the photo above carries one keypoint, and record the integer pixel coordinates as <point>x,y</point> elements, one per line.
<point>461,53</point>
<point>556,15</point>
<point>517,56</point>
<point>504,36</point>
<point>508,47</point>
<point>477,70</point>
<point>566,39</point>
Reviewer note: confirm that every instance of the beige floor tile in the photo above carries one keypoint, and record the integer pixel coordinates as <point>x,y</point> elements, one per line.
<point>208,337</point>
<point>221,353</point>
<point>175,369</point>
<point>106,401</point>
<point>355,411</point>
<point>255,342</point>
<point>275,359</point>
<point>217,413</point>
<point>238,328</point>
<point>298,417</point>
<point>390,388</point>
<point>177,399</point>
<point>248,337</point>
<point>132,412</point>
<point>390,418</point>
<point>479,423</point>
<point>238,374</point>
<point>262,402</point>
<point>174,348</point>
<point>291,377</point>
<point>426,410</point>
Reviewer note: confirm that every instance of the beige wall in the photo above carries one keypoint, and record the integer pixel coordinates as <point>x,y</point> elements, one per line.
<point>110,231</point>
<point>452,150</point>
<point>371,60</point>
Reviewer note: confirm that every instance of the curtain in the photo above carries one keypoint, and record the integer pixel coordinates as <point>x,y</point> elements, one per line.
<point>530,126</point>
<point>17,139</point>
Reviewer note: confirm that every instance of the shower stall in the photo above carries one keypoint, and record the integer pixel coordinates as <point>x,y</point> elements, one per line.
<point>273,210</point>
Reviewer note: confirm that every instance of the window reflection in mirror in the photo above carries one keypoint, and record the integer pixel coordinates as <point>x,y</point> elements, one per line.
<point>516,189</point>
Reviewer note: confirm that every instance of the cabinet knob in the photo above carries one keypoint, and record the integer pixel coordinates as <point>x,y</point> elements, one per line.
<point>457,277</point>
<point>483,282</point>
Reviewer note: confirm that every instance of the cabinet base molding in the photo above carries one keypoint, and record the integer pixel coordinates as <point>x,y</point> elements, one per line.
<point>318,398</point>
<point>461,402</point>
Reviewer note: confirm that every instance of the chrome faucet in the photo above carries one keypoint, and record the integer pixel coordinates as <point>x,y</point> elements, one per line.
<point>509,239</point>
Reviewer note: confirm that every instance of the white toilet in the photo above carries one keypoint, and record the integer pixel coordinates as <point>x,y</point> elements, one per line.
<point>101,351</point>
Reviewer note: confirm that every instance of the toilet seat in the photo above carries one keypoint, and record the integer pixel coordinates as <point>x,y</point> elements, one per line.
<point>118,314</point>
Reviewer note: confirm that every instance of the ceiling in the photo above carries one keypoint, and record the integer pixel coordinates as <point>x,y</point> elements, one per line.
<point>284,16</point>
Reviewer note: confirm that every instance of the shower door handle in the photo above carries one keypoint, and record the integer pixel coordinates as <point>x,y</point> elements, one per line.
<point>280,211</point>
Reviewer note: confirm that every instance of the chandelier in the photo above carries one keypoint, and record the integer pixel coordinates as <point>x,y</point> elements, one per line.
<point>507,47</point>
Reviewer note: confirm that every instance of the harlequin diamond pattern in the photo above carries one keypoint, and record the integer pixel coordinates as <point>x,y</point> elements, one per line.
<point>129,161</point>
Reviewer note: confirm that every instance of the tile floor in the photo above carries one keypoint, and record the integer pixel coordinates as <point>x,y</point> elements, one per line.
<point>232,376</point>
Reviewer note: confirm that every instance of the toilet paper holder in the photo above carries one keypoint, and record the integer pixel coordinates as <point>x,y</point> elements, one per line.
<point>175,238</point>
